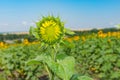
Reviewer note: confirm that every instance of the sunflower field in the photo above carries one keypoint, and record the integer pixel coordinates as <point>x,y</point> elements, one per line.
<point>56,56</point>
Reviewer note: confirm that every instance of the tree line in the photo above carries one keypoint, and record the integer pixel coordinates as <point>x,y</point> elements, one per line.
<point>8,36</point>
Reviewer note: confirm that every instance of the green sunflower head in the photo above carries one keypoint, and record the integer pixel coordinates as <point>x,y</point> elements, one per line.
<point>50,29</point>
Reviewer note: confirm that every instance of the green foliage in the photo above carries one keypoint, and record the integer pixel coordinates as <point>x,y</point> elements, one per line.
<point>80,77</point>
<point>84,78</point>
<point>14,66</point>
<point>97,57</point>
<point>63,68</point>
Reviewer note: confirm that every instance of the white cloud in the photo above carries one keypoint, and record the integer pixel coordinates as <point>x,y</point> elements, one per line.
<point>24,23</point>
<point>4,24</point>
<point>37,21</point>
<point>32,23</point>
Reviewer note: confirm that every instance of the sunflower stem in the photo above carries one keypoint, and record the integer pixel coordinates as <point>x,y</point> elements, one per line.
<point>53,55</point>
<point>49,72</point>
<point>55,51</point>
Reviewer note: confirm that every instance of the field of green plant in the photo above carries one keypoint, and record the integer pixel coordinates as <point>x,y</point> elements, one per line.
<point>93,56</point>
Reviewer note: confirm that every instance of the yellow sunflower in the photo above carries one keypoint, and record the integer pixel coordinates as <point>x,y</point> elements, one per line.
<point>50,29</point>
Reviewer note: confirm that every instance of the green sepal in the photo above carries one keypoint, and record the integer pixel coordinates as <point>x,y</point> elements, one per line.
<point>34,31</point>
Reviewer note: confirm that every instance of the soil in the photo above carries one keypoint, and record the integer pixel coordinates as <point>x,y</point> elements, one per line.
<point>44,77</point>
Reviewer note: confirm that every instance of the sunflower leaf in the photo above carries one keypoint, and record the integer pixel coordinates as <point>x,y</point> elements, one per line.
<point>68,31</point>
<point>62,68</point>
<point>84,78</point>
<point>33,31</point>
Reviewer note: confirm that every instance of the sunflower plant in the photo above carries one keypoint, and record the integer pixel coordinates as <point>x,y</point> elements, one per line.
<point>50,31</point>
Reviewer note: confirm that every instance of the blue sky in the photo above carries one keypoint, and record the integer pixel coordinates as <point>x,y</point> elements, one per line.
<point>19,15</point>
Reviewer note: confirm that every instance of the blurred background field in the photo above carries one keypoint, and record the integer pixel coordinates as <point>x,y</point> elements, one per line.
<point>97,54</point>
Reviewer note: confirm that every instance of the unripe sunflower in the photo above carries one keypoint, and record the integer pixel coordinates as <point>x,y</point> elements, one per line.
<point>50,29</point>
